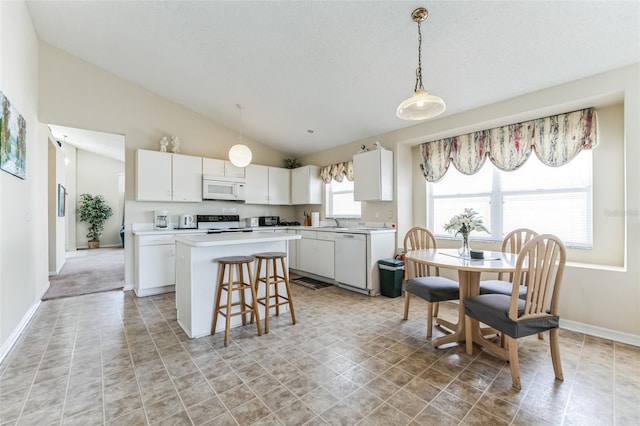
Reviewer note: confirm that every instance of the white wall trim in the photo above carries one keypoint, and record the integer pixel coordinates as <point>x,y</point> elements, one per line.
<point>604,333</point>
<point>128,287</point>
<point>15,335</point>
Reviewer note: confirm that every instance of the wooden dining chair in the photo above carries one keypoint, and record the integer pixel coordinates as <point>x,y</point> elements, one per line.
<point>512,243</point>
<point>541,263</point>
<point>425,281</point>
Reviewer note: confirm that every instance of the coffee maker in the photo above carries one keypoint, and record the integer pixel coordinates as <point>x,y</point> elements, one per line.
<point>160,219</point>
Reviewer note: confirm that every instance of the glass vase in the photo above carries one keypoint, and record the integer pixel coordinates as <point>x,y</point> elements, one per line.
<point>464,250</point>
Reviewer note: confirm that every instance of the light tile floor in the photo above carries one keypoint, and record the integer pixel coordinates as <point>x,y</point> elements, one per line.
<point>115,359</point>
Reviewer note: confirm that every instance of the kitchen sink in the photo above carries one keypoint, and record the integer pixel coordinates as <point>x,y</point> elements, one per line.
<point>336,228</point>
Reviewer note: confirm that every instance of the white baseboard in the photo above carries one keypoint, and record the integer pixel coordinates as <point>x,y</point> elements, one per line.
<point>605,333</point>
<point>128,287</point>
<point>15,335</point>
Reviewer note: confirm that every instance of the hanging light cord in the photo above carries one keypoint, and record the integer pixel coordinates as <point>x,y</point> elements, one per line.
<point>419,70</point>
<point>240,109</point>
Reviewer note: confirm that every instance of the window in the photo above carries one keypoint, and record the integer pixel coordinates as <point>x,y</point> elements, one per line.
<point>340,202</point>
<point>555,200</point>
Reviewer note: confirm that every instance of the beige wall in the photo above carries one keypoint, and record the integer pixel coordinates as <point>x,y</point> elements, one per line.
<point>98,175</point>
<point>23,203</point>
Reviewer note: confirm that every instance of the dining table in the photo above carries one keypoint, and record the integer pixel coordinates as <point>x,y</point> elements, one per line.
<point>469,271</point>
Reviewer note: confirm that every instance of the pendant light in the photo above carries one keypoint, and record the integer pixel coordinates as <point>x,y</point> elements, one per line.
<point>421,105</point>
<point>240,154</point>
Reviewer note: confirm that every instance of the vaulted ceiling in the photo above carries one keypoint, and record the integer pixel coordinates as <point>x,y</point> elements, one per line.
<point>339,68</point>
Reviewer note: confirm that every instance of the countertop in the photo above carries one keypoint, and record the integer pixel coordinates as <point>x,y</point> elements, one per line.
<point>233,238</point>
<point>144,230</point>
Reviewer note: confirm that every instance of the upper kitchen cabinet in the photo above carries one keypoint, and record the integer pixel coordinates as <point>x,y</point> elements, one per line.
<point>162,176</point>
<point>215,167</point>
<point>306,185</point>
<point>267,185</point>
<point>373,175</point>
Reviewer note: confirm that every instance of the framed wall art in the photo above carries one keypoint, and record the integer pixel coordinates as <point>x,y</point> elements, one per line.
<point>62,196</point>
<point>13,140</point>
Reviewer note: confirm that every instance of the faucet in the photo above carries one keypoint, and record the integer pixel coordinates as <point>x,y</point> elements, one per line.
<point>337,222</point>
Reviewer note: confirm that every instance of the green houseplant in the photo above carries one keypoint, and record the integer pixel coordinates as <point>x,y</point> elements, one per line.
<point>95,211</point>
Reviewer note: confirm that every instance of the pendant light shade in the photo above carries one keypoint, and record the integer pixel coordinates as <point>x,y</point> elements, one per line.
<point>240,155</point>
<point>421,105</point>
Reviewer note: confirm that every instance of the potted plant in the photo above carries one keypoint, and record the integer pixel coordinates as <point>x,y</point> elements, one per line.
<point>95,211</point>
<point>291,163</point>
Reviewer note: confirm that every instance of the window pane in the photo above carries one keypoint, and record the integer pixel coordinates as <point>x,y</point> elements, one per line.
<point>455,182</point>
<point>561,214</point>
<point>535,175</point>
<point>446,208</point>
<point>340,202</point>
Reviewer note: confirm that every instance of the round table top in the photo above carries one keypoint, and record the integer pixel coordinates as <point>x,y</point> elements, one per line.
<point>494,261</point>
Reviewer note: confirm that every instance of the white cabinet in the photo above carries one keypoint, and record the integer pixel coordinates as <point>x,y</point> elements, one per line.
<point>216,167</point>
<point>293,250</point>
<point>154,257</point>
<point>187,178</point>
<point>373,175</point>
<point>306,185</point>
<point>153,176</point>
<point>162,176</point>
<point>267,185</point>
<point>279,186</point>
<point>380,245</point>
<point>350,259</point>
<point>256,188</point>
<point>316,253</point>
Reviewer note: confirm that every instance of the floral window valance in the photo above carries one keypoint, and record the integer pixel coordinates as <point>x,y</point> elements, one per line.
<point>556,140</point>
<point>337,172</point>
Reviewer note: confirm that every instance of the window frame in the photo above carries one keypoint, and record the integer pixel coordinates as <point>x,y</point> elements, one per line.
<point>496,197</point>
<point>329,204</point>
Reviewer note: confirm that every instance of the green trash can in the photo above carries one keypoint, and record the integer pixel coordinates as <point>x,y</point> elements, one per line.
<point>391,271</point>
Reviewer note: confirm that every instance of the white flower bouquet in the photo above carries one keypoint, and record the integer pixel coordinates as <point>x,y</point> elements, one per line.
<point>464,223</point>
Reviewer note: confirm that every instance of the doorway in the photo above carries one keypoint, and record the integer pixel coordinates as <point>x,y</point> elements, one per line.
<point>85,162</point>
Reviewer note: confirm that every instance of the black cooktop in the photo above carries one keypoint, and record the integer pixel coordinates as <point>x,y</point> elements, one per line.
<point>289,224</point>
<point>221,230</point>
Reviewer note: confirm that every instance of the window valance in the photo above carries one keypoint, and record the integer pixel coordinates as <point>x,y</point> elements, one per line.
<point>556,140</point>
<point>337,172</point>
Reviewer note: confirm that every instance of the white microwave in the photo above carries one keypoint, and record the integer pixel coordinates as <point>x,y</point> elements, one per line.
<point>222,188</point>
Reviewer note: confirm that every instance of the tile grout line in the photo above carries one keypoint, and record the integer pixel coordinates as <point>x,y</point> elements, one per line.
<point>24,404</point>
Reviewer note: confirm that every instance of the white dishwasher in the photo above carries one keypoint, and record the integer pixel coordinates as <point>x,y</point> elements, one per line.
<point>351,259</point>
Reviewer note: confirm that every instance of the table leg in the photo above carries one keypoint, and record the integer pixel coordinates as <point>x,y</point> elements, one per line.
<point>469,282</point>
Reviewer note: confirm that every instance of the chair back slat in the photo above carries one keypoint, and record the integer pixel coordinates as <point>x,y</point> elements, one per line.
<point>419,238</point>
<point>513,243</point>
<point>541,264</point>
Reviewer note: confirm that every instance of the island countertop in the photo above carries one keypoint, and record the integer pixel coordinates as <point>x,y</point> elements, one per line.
<point>196,271</point>
<point>234,238</point>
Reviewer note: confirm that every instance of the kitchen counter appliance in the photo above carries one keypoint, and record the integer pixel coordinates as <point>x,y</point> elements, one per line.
<point>223,188</point>
<point>290,223</point>
<point>217,224</point>
<point>161,219</point>
<point>269,220</point>
<point>187,221</point>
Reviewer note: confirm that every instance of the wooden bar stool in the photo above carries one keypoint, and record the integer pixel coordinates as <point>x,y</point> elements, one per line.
<point>230,265</point>
<point>271,278</point>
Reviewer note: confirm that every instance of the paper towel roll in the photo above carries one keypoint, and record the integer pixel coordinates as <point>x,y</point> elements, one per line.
<point>315,218</point>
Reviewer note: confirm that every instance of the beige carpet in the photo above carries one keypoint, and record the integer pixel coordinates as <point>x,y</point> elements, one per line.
<point>88,271</point>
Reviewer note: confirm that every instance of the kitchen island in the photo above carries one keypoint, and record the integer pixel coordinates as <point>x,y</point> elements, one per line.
<point>197,272</point>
